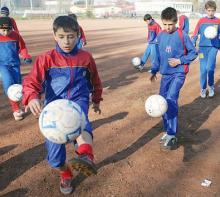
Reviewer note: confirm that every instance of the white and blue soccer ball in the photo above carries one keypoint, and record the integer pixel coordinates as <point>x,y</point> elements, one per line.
<point>15,92</point>
<point>210,32</point>
<point>62,121</point>
<point>136,61</point>
<point>156,106</point>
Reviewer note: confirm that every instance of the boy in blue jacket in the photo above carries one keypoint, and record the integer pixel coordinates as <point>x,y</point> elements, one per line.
<point>66,72</point>
<point>175,51</point>
<point>153,30</point>
<point>11,46</point>
<point>208,49</point>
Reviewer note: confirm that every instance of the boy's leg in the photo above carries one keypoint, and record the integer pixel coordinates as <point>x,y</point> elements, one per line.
<point>152,53</point>
<point>175,82</point>
<point>146,55</point>
<point>56,156</point>
<point>83,162</point>
<point>203,70</point>
<point>211,70</point>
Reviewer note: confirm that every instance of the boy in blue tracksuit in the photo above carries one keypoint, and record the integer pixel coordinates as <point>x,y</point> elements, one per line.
<point>175,51</point>
<point>66,72</point>
<point>11,46</point>
<point>153,30</point>
<point>208,49</point>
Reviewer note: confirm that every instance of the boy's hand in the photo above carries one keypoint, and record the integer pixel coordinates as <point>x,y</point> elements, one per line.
<point>173,62</point>
<point>153,77</point>
<point>35,107</point>
<point>96,108</point>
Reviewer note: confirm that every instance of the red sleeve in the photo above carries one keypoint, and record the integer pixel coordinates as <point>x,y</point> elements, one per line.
<point>83,37</point>
<point>22,48</point>
<point>32,83</point>
<point>96,82</point>
<point>14,25</point>
<point>158,30</point>
<point>195,33</point>
<point>181,21</point>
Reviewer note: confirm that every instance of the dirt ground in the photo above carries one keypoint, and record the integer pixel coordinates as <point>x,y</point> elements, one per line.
<point>126,140</point>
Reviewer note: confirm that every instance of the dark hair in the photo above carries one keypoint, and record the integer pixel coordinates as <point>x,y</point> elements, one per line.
<point>5,11</point>
<point>5,23</point>
<point>210,4</point>
<point>73,16</point>
<point>147,17</point>
<point>67,23</point>
<point>169,14</point>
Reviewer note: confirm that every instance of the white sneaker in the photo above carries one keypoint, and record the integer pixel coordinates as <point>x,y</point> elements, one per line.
<point>203,93</point>
<point>211,91</point>
<point>18,115</point>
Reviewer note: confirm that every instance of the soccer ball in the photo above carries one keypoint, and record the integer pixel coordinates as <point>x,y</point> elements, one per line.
<point>156,105</point>
<point>62,121</point>
<point>210,32</point>
<point>136,61</point>
<point>15,92</point>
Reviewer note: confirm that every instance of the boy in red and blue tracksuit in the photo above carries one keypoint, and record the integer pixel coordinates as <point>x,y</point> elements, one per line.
<point>174,53</point>
<point>5,13</point>
<point>184,23</point>
<point>208,49</point>
<point>11,46</point>
<point>153,30</point>
<point>82,37</point>
<point>66,72</point>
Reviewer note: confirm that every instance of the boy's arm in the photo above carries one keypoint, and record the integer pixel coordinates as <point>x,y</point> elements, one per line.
<point>22,48</point>
<point>155,62</point>
<point>14,25</point>
<point>196,33</point>
<point>83,37</point>
<point>96,82</point>
<point>32,83</point>
<point>191,51</point>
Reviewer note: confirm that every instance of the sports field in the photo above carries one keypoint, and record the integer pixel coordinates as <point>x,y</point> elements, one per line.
<point>126,140</point>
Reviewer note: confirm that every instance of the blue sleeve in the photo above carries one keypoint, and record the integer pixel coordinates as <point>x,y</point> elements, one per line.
<point>156,61</point>
<point>191,51</point>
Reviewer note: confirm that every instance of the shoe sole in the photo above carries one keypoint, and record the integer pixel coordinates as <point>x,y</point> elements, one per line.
<point>83,167</point>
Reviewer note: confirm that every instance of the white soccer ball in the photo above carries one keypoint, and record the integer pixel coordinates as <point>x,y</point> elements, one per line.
<point>15,92</point>
<point>62,121</point>
<point>210,32</point>
<point>156,106</point>
<point>136,61</point>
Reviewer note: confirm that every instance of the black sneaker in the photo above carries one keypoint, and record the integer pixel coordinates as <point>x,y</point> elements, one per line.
<point>84,164</point>
<point>170,143</point>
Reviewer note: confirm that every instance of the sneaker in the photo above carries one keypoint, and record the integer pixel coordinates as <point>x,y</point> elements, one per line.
<point>66,184</point>
<point>163,138</point>
<point>18,115</point>
<point>140,68</point>
<point>211,91</point>
<point>84,164</point>
<point>149,71</point>
<point>203,93</point>
<point>170,143</point>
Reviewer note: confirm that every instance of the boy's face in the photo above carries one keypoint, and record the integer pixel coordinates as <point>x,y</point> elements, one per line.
<point>148,21</point>
<point>210,12</point>
<point>169,25</point>
<point>66,40</point>
<point>5,32</point>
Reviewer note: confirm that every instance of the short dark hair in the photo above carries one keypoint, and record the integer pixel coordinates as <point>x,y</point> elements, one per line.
<point>67,23</point>
<point>147,17</point>
<point>210,4</point>
<point>72,15</point>
<point>169,14</point>
<point>5,23</point>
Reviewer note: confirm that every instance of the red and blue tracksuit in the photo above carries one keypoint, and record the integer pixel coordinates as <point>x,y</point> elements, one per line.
<point>184,23</point>
<point>10,47</point>
<point>61,75</point>
<point>153,30</point>
<point>82,38</point>
<point>208,49</point>
<point>172,45</point>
